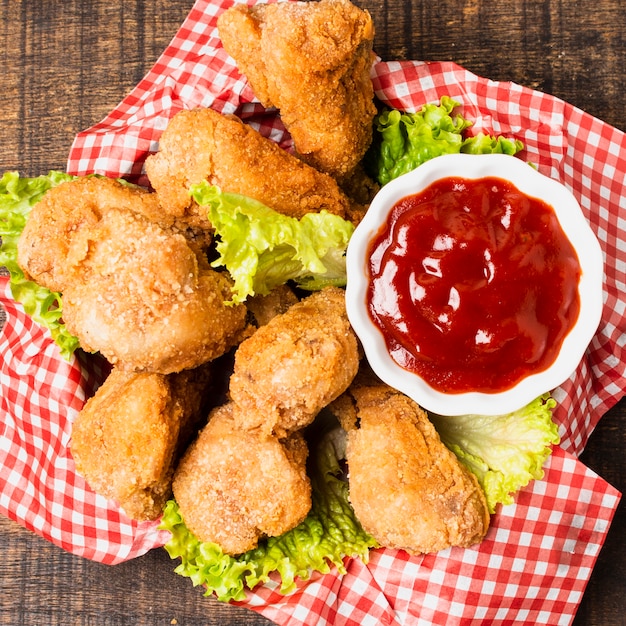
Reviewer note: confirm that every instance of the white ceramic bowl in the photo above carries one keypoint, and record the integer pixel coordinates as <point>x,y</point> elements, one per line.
<point>529,181</point>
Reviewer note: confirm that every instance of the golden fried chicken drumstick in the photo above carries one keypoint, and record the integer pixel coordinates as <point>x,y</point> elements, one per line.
<point>407,489</point>
<point>203,144</point>
<point>312,61</point>
<point>236,486</point>
<point>296,364</point>
<point>63,210</point>
<point>129,435</point>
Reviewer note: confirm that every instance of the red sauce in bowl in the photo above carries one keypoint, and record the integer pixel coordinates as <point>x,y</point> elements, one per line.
<point>473,284</point>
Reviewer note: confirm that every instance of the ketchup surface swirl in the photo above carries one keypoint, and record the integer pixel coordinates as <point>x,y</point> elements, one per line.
<point>473,284</point>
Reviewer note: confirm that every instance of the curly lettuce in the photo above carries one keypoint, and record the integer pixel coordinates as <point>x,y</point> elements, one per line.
<point>328,534</point>
<point>403,141</point>
<point>18,195</point>
<point>505,452</point>
<point>262,248</point>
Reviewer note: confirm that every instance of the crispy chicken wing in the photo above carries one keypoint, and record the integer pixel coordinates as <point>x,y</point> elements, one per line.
<point>128,436</point>
<point>312,61</point>
<point>407,489</point>
<point>236,486</point>
<point>203,145</point>
<point>296,364</point>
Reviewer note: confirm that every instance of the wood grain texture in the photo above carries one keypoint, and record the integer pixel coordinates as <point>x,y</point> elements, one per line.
<point>65,65</point>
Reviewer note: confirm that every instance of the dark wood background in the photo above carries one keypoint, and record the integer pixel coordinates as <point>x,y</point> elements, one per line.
<point>65,65</point>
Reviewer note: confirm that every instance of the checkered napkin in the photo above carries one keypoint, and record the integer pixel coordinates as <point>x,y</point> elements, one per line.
<point>539,553</point>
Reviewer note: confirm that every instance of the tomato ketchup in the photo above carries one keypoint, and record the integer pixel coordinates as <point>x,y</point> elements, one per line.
<point>473,284</point>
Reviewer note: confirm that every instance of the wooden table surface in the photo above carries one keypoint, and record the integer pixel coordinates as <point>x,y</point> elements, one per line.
<point>66,64</point>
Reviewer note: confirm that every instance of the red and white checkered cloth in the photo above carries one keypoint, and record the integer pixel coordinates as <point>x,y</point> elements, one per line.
<point>539,553</point>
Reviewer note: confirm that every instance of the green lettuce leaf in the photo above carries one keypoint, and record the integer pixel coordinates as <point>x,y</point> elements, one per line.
<point>403,141</point>
<point>328,534</point>
<point>204,563</point>
<point>17,197</point>
<point>505,452</point>
<point>486,144</point>
<point>262,248</point>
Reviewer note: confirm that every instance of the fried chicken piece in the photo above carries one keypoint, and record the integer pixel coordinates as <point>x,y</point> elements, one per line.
<point>203,145</point>
<point>144,299</point>
<point>197,391</point>
<point>128,436</point>
<point>235,487</point>
<point>312,61</point>
<point>361,189</point>
<point>407,489</point>
<point>296,364</point>
<point>265,307</point>
<point>63,210</point>
<point>134,287</point>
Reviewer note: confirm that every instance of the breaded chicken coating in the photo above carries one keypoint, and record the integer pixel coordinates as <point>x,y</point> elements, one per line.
<point>62,212</point>
<point>296,364</point>
<point>265,307</point>
<point>235,487</point>
<point>128,436</point>
<point>202,144</point>
<point>407,489</point>
<point>142,297</point>
<point>312,61</point>
<point>133,287</point>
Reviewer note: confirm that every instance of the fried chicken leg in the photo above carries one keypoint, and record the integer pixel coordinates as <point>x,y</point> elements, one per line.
<point>203,145</point>
<point>296,364</point>
<point>312,61</point>
<point>62,211</point>
<point>236,486</point>
<point>144,299</point>
<point>128,436</point>
<point>407,489</point>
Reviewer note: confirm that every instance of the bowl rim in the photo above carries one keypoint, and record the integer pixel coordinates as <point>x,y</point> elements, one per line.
<point>570,216</point>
